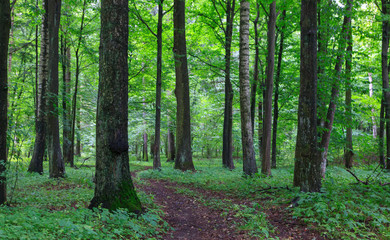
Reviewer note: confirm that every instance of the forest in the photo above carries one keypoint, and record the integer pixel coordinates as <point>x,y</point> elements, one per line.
<point>194,119</point>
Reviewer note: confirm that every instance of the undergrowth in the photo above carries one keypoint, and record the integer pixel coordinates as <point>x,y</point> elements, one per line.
<point>43,208</point>
<point>343,210</point>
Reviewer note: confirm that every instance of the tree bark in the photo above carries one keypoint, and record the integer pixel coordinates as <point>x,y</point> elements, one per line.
<point>56,162</point>
<point>5,23</point>
<point>114,187</point>
<point>348,155</point>
<point>371,88</point>
<point>171,146</point>
<point>325,139</point>
<point>385,70</point>
<point>183,159</point>
<point>156,149</point>
<point>36,163</point>
<point>249,160</point>
<point>66,117</point>
<point>227,145</point>
<point>255,68</point>
<point>381,135</point>
<point>276,99</point>
<point>269,82</point>
<point>307,170</point>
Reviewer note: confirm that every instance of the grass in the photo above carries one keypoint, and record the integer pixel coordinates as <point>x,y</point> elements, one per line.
<point>343,210</point>
<point>43,208</point>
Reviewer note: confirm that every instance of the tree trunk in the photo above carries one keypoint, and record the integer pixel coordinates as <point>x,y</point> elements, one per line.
<point>56,162</point>
<point>335,89</point>
<point>227,145</point>
<point>276,99</point>
<point>156,149</point>
<point>249,160</point>
<point>381,134</point>
<point>348,155</point>
<point>267,120</point>
<point>255,68</point>
<point>74,101</point>
<point>374,128</point>
<point>385,70</point>
<point>114,187</point>
<point>5,22</point>
<point>171,146</point>
<point>307,158</point>
<point>183,159</point>
<point>36,164</point>
<point>66,129</point>
<point>145,147</point>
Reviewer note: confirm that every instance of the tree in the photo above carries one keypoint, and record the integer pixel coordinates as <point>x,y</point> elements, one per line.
<point>249,161</point>
<point>277,81</point>
<point>5,22</point>
<point>348,155</point>
<point>385,71</point>
<point>307,170</point>
<point>335,87</point>
<point>183,159</point>
<point>114,187</point>
<point>227,144</point>
<point>269,82</point>
<point>36,163</point>
<point>56,162</point>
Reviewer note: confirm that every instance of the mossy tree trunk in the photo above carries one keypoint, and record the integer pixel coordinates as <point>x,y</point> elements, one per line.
<point>5,23</point>
<point>114,187</point>
<point>249,160</point>
<point>183,159</point>
<point>56,162</point>
<point>307,171</point>
<point>36,164</point>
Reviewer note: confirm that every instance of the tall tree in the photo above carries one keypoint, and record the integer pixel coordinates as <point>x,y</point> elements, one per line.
<point>114,187</point>
<point>269,83</point>
<point>255,67</point>
<point>183,159</point>
<point>56,162</point>
<point>325,139</point>
<point>348,102</point>
<point>36,164</point>
<point>385,69</point>
<point>5,22</point>
<point>249,160</point>
<point>227,144</point>
<point>276,98</point>
<point>307,170</point>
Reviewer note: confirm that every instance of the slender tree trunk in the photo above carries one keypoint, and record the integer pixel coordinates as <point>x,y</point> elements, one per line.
<point>183,159</point>
<point>385,70</point>
<point>36,164</point>
<point>227,145</point>
<point>348,103</point>
<point>276,99</point>
<point>255,68</point>
<point>249,160</point>
<point>56,162</point>
<point>78,135</point>
<point>171,146</point>
<point>374,128</point>
<point>114,187</point>
<point>381,135</point>
<point>267,121</point>
<point>156,149</point>
<point>36,71</point>
<point>335,89</point>
<point>5,23</point>
<point>74,101</point>
<point>66,129</point>
<point>307,158</point>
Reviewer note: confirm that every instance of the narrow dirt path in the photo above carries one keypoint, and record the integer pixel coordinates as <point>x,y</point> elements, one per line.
<point>191,219</point>
<point>194,221</point>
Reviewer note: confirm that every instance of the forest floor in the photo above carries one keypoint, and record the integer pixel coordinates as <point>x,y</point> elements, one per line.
<point>192,214</point>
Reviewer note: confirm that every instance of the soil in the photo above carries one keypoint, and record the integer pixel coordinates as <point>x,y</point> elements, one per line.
<point>192,220</point>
